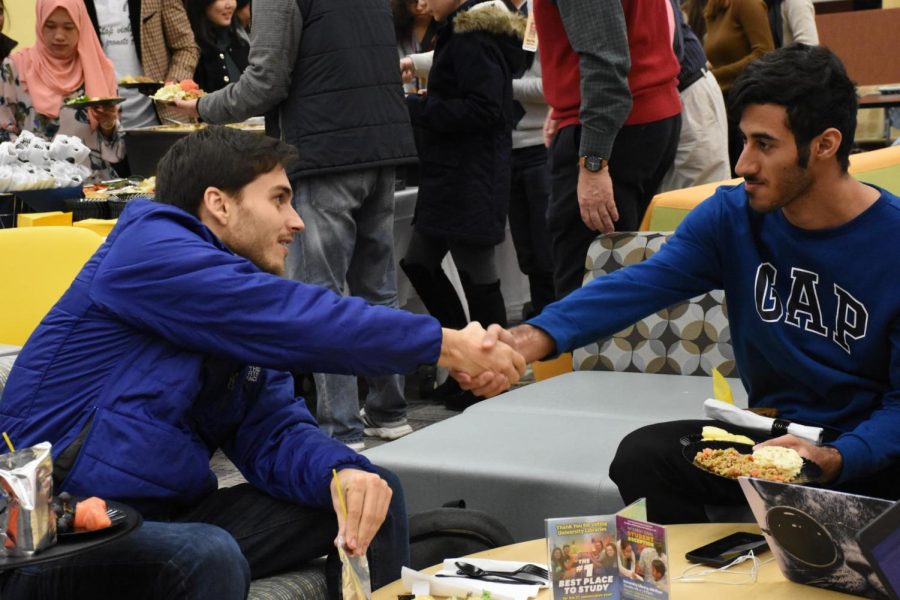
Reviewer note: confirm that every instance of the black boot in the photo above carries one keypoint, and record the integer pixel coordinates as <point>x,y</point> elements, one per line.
<point>454,397</point>
<point>542,293</point>
<point>437,294</point>
<point>485,300</point>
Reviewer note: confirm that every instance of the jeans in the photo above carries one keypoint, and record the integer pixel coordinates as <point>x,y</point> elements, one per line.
<point>349,240</point>
<point>213,550</point>
<point>175,561</point>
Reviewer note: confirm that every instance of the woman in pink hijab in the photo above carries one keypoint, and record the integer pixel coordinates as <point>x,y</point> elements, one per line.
<point>65,62</point>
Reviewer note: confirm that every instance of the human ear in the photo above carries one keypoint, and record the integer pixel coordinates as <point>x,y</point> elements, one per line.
<point>214,206</point>
<point>826,144</point>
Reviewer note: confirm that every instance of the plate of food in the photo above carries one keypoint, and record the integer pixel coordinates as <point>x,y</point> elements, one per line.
<point>142,83</point>
<point>77,519</point>
<point>732,456</point>
<point>185,89</point>
<point>86,101</point>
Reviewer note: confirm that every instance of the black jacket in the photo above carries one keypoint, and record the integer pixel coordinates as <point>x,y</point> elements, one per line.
<point>212,72</point>
<point>466,123</point>
<point>344,110</point>
<point>6,45</point>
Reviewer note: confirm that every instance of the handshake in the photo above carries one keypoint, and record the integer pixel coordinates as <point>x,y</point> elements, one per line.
<point>488,361</point>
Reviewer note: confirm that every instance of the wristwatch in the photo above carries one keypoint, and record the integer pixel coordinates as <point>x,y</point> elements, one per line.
<point>593,163</point>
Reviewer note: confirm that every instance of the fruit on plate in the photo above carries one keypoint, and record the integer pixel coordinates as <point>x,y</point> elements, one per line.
<point>88,515</point>
<point>716,434</point>
<point>186,89</point>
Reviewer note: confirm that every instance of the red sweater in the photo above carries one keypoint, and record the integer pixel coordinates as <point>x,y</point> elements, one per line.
<point>652,78</point>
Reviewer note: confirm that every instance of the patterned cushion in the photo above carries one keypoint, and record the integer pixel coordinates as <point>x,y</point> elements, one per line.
<point>690,338</point>
<point>306,583</point>
<point>6,363</point>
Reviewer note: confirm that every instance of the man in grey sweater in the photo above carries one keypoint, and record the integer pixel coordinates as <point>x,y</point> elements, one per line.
<point>325,74</point>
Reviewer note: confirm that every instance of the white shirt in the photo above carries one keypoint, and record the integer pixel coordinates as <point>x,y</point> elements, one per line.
<point>113,17</point>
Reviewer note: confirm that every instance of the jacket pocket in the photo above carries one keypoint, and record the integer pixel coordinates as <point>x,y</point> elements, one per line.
<point>126,457</point>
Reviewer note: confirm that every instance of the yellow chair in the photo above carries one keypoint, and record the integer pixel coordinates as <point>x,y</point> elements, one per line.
<point>44,219</point>
<point>666,210</point>
<point>38,265</point>
<point>99,226</point>
<point>880,167</point>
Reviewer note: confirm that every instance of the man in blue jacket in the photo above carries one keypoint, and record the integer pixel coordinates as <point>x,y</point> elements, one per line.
<point>808,258</point>
<point>175,340</point>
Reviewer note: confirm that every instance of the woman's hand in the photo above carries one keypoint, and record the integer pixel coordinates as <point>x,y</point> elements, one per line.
<point>107,118</point>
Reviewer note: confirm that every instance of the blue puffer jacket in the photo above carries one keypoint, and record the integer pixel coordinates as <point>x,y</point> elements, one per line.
<point>149,353</point>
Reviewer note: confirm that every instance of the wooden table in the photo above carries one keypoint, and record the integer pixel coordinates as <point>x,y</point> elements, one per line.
<point>879,101</point>
<point>770,585</point>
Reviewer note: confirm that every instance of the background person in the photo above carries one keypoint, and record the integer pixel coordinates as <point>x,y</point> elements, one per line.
<point>6,43</point>
<point>224,53</point>
<point>798,19</point>
<point>65,62</point>
<point>737,33</point>
<point>465,123</point>
<point>344,181</point>
<point>150,38</point>
<point>609,74</point>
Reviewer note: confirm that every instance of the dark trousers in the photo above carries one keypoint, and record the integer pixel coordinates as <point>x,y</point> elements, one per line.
<point>649,464</point>
<point>529,196</point>
<point>213,550</point>
<point>640,157</point>
<point>276,535</point>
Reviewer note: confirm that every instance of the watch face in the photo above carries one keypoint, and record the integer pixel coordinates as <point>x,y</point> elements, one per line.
<point>593,163</point>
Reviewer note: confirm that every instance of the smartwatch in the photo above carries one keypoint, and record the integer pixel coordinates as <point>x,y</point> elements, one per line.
<point>593,163</point>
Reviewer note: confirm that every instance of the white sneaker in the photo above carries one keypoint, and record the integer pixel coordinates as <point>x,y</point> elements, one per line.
<point>388,431</point>
<point>358,446</point>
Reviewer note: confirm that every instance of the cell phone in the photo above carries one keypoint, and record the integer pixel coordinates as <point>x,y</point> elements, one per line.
<point>726,549</point>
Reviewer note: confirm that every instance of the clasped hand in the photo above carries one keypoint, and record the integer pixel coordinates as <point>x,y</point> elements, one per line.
<point>473,351</point>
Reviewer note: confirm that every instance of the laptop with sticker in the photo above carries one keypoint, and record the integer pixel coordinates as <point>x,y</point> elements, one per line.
<point>812,533</point>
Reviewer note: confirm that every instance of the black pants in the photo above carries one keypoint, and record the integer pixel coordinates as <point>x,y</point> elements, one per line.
<point>648,464</point>
<point>529,196</point>
<point>640,157</point>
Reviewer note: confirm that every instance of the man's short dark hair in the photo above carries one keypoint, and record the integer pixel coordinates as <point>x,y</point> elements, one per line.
<point>221,157</point>
<point>810,82</point>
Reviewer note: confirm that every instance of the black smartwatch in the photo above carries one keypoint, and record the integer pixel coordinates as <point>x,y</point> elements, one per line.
<point>593,163</point>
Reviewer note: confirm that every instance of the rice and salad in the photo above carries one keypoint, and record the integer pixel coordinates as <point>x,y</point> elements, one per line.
<point>774,463</point>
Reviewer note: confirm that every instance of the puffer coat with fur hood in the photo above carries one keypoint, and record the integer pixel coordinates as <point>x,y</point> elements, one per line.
<point>465,125</point>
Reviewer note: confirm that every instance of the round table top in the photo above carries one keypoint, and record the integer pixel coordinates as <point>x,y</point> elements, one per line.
<point>770,583</point>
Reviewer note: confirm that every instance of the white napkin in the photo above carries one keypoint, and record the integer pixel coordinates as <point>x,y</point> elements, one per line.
<point>722,411</point>
<point>460,586</point>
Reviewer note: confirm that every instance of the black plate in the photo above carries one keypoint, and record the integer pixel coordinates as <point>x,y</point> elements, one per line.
<point>147,88</point>
<point>119,518</point>
<point>810,472</point>
<point>96,102</point>
<point>76,546</point>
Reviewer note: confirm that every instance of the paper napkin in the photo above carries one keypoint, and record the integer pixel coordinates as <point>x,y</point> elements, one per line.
<point>460,586</point>
<point>722,411</point>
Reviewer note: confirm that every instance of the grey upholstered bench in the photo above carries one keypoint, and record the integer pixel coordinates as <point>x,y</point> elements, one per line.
<point>544,450</point>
